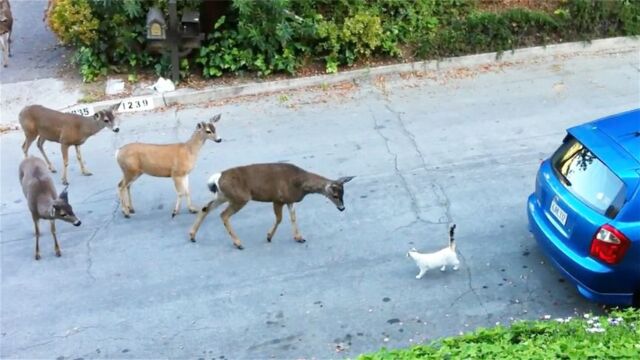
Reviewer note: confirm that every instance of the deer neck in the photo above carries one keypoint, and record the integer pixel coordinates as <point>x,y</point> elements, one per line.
<point>315,184</point>
<point>195,142</point>
<point>91,126</point>
<point>44,207</point>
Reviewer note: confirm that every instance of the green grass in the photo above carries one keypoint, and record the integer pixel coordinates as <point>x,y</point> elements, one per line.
<point>615,336</point>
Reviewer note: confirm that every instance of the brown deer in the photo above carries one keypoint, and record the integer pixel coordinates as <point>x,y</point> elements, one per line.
<point>166,160</point>
<point>67,129</point>
<point>280,184</point>
<point>6,27</point>
<point>42,200</point>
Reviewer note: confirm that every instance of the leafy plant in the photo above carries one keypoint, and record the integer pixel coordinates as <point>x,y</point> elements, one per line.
<point>91,64</point>
<point>610,337</point>
<point>73,22</point>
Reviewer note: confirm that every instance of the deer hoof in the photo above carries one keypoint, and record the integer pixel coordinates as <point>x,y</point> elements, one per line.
<point>173,214</point>
<point>239,246</point>
<point>65,182</point>
<point>87,173</point>
<point>58,253</point>
<point>268,238</point>
<point>126,216</point>
<point>301,240</point>
<point>193,210</point>
<point>37,256</point>
<point>132,211</point>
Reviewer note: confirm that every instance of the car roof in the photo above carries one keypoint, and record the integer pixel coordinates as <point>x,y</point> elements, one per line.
<point>615,139</point>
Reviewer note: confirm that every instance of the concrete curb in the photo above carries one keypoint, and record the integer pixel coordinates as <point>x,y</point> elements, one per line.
<point>191,96</point>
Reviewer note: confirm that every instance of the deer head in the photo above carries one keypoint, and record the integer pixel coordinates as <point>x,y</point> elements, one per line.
<point>209,129</point>
<point>334,191</point>
<point>62,209</point>
<point>108,117</point>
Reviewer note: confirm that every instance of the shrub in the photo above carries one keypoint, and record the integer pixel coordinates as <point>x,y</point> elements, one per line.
<point>284,35</point>
<point>73,22</point>
<point>615,336</point>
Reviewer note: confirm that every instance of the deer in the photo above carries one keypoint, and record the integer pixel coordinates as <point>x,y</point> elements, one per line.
<point>163,160</point>
<point>277,183</point>
<point>67,129</point>
<point>6,27</point>
<point>43,203</point>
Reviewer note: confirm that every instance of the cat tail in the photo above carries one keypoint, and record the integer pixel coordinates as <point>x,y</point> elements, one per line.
<point>452,243</point>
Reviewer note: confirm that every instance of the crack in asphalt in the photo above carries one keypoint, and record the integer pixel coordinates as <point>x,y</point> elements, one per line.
<point>55,337</point>
<point>436,188</point>
<point>405,184</point>
<point>97,230</point>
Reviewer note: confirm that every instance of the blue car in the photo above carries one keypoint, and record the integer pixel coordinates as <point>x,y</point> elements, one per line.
<point>585,211</point>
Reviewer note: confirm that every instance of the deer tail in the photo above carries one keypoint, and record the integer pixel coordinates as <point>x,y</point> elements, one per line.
<point>212,183</point>
<point>452,243</point>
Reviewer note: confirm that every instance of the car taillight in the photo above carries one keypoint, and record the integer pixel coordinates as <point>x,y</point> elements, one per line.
<point>609,245</point>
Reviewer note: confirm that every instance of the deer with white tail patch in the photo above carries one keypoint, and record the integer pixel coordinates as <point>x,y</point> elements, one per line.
<point>277,183</point>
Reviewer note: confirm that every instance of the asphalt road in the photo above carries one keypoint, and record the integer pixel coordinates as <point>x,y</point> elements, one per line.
<point>427,150</point>
<point>36,53</point>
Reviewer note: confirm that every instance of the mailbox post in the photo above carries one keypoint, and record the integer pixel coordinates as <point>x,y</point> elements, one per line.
<point>177,39</point>
<point>173,43</point>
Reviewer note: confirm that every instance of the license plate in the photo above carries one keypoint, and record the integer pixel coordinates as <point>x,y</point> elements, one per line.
<point>136,104</point>
<point>560,214</point>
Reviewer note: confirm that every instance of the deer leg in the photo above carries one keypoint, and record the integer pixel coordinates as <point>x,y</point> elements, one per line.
<point>185,186</point>
<point>40,145</point>
<point>277,209</point>
<point>131,210</point>
<point>83,170</point>
<point>5,50</point>
<point>225,215</point>
<point>65,163</point>
<point>211,205</point>
<point>35,224</point>
<point>296,233</point>
<point>122,194</point>
<point>27,143</point>
<point>179,183</point>
<point>55,238</point>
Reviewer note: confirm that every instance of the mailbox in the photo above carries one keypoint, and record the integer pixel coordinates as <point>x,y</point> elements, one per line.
<point>177,39</point>
<point>156,25</point>
<point>190,30</point>
<point>190,24</point>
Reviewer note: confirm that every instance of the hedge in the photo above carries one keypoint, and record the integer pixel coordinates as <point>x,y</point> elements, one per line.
<point>264,37</point>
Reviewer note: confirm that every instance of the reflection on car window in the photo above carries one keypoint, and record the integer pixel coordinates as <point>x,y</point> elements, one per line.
<point>589,178</point>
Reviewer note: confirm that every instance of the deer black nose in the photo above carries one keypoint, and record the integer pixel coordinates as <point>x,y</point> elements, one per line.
<point>217,140</point>
<point>341,208</point>
<point>77,223</point>
<point>116,129</point>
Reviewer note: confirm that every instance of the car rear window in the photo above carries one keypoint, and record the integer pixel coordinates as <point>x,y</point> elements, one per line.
<point>588,178</point>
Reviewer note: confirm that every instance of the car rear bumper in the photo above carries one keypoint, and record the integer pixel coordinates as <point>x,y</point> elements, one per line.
<point>584,272</point>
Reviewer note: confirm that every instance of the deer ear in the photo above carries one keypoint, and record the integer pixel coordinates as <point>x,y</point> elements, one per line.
<point>115,107</point>
<point>64,195</point>
<point>199,126</point>
<point>344,179</point>
<point>97,116</point>
<point>216,118</point>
